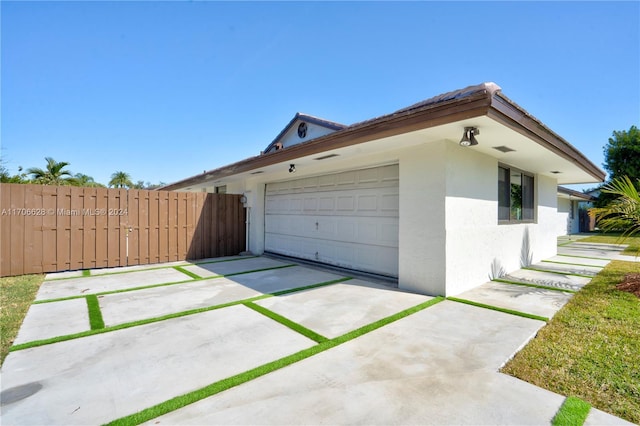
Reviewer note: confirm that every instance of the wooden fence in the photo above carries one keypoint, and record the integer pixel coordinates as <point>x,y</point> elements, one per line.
<point>59,228</point>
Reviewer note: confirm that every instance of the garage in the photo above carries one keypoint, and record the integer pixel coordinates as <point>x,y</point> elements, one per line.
<point>347,219</point>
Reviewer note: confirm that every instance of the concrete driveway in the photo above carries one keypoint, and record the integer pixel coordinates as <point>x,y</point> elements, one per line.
<point>255,340</point>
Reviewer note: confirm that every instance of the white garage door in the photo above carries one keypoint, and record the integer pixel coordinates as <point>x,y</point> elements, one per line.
<point>347,219</point>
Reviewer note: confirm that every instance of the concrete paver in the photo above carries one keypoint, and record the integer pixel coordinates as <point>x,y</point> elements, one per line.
<point>437,366</point>
<point>223,268</point>
<point>600,418</point>
<point>283,279</point>
<point>126,307</point>
<point>573,260</point>
<point>64,274</point>
<point>337,309</point>
<point>568,269</point>
<point>549,279</point>
<point>121,308</point>
<point>530,300</point>
<point>102,271</point>
<point>54,319</point>
<point>100,378</point>
<point>597,250</point>
<point>83,286</point>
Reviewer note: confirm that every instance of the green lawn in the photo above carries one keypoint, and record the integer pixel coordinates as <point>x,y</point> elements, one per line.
<point>615,238</point>
<point>591,348</point>
<point>16,295</point>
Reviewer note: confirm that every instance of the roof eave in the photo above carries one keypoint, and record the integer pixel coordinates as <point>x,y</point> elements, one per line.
<point>385,126</point>
<point>575,194</point>
<point>510,114</point>
<point>484,101</point>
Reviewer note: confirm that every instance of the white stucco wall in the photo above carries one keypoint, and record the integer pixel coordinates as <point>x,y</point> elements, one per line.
<point>422,260</point>
<point>563,224</point>
<point>449,236</point>
<point>477,247</point>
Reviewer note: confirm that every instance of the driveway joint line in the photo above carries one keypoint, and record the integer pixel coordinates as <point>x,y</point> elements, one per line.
<point>540,286</point>
<point>529,268</point>
<point>151,268</point>
<point>238,379</point>
<point>95,314</point>
<point>187,273</point>
<point>106,329</point>
<point>125,290</point>
<point>584,257</point>
<point>299,328</point>
<point>496,308</point>
<point>573,411</point>
<point>574,264</point>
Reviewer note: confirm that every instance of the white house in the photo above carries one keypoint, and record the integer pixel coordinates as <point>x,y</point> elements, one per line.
<point>571,218</point>
<point>437,195</point>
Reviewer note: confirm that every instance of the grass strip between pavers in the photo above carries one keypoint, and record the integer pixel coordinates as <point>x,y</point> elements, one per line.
<point>188,273</point>
<point>496,308</point>
<point>544,287</point>
<point>93,332</point>
<point>95,314</point>
<point>151,268</point>
<point>551,271</point>
<point>124,290</point>
<point>309,287</point>
<point>573,412</point>
<point>570,263</point>
<point>230,382</point>
<point>318,338</point>
<point>583,257</point>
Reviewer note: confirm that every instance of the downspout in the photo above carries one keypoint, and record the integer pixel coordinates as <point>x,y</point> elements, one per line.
<point>247,222</point>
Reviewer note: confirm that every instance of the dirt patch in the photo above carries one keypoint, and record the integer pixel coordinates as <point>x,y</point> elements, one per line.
<point>631,284</point>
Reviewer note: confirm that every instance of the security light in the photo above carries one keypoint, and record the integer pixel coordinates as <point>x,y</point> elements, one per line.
<point>468,137</point>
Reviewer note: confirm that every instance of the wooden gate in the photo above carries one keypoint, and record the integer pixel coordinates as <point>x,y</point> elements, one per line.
<point>58,228</point>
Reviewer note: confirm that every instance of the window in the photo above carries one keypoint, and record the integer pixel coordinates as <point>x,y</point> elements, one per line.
<point>515,195</point>
<point>221,189</point>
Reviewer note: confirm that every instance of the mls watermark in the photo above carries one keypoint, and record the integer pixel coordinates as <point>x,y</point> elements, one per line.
<point>63,212</point>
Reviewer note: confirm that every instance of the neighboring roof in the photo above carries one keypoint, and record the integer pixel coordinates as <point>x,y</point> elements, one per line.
<point>308,119</point>
<point>570,193</point>
<point>485,99</point>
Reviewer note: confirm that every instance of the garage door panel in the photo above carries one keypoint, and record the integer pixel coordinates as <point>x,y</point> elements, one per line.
<point>365,202</point>
<point>367,178</point>
<point>376,231</point>
<point>381,260</point>
<point>348,219</point>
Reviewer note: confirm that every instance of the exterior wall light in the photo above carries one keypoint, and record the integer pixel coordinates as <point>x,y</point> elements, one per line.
<point>468,137</point>
<point>292,168</point>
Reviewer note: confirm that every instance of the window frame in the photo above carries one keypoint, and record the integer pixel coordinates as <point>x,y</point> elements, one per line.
<point>511,220</point>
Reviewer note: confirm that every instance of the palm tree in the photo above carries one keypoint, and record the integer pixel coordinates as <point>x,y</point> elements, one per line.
<point>86,181</point>
<point>120,180</point>
<point>623,212</point>
<point>54,174</point>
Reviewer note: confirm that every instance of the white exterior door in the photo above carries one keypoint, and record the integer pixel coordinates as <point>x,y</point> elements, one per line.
<point>347,219</point>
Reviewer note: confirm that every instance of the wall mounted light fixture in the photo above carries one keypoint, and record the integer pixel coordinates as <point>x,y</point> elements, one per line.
<point>292,168</point>
<point>468,137</point>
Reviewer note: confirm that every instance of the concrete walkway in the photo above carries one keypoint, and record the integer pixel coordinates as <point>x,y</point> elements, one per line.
<point>169,330</point>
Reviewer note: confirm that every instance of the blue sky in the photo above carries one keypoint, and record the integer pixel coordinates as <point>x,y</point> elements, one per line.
<point>165,90</point>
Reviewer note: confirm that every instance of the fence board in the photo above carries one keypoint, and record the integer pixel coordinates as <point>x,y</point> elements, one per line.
<point>17,232</point>
<point>63,228</point>
<point>49,233</point>
<point>33,222</point>
<point>102,228</point>
<point>49,228</point>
